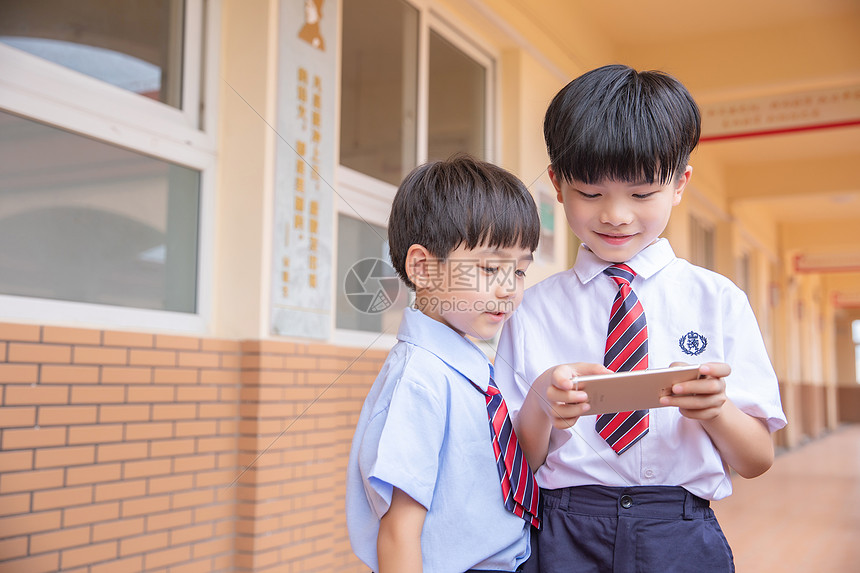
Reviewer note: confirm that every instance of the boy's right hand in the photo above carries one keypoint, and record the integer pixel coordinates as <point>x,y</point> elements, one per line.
<point>562,402</point>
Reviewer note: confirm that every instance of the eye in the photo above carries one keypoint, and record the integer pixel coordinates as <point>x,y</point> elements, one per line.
<point>644,195</point>
<point>588,195</point>
<point>489,270</point>
<point>521,273</point>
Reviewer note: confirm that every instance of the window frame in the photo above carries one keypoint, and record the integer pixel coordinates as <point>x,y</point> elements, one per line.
<point>365,197</point>
<point>49,93</point>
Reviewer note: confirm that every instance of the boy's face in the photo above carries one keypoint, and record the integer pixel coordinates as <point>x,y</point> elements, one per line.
<point>473,291</point>
<point>615,219</point>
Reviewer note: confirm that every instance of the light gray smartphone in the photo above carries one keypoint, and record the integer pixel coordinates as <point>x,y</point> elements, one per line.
<point>636,390</point>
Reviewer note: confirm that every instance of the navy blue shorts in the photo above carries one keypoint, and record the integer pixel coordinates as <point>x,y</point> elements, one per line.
<point>646,529</point>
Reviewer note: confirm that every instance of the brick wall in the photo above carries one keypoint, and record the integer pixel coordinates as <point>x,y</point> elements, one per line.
<point>145,452</point>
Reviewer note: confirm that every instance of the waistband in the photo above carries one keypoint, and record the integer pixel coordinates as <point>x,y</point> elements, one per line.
<point>662,502</point>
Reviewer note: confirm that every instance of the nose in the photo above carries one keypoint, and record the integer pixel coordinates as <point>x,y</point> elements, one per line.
<point>616,213</point>
<point>507,286</point>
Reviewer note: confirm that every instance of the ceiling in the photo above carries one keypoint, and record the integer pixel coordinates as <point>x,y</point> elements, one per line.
<point>731,51</point>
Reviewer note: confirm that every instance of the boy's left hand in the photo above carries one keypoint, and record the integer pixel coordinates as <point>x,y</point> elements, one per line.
<point>704,398</point>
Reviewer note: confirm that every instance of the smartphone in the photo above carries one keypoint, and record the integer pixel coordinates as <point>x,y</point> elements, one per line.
<point>636,390</point>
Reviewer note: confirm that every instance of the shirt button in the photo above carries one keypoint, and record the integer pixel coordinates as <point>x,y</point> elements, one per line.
<point>649,473</point>
<point>626,501</point>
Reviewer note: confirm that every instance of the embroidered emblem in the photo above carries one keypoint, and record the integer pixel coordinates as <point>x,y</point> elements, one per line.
<point>693,343</point>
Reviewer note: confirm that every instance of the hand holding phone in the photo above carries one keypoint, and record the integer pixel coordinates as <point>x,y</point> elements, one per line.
<point>635,390</point>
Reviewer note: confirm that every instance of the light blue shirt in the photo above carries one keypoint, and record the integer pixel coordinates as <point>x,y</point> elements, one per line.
<point>694,316</point>
<point>424,429</point>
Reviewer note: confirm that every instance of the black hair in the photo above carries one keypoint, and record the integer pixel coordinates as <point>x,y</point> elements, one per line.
<point>462,201</point>
<point>614,123</point>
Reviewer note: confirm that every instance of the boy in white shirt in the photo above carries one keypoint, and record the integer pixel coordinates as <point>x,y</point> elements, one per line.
<point>631,491</point>
<point>427,486</point>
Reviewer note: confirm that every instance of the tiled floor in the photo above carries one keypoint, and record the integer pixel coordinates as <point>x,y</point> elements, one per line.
<point>803,515</point>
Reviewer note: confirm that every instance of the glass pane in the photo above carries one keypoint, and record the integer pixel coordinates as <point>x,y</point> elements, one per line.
<point>133,44</point>
<point>379,85</point>
<point>370,296</point>
<point>855,331</point>
<point>85,221</point>
<point>457,102</point>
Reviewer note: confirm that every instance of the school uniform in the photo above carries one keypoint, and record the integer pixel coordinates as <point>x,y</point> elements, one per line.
<point>694,316</point>
<point>424,429</point>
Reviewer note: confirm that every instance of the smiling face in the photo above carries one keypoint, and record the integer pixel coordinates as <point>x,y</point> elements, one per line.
<point>472,291</point>
<point>616,219</point>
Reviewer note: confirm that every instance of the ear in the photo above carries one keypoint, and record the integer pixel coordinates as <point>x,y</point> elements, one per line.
<point>555,183</point>
<point>418,266</point>
<point>681,184</point>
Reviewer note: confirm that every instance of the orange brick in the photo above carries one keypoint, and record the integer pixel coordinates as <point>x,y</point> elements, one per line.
<point>98,394</point>
<point>274,346</point>
<point>17,417</point>
<point>93,513</point>
<point>13,504</point>
<point>122,451</point>
<point>195,428</point>
<point>126,375</point>
<point>169,520</point>
<point>170,483</point>
<point>30,480</point>
<point>62,497</point>
<point>96,473</point>
<point>22,332</point>
<point>173,342</point>
<point>124,489</point>
<point>132,564</point>
<point>12,548</point>
<point>219,345</point>
<point>61,539</point>
<point>137,357</point>
<point>64,457</point>
<point>229,410</point>
<point>191,498</point>
<point>118,529</point>
<point>29,523</point>
<point>54,374</point>
<point>176,376</point>
<point>183,464</point>
<point>151,393</point>
<point>148,430</point>
<point>167,556</point>
<point>92,553</point>
<point>65,335</point>
<point>34,394</point>
<point>67,415</point>
<point>47,563</point>
<point>219,377</point>
<point>95,434</point>
<point>174,447</point>
<point>196,393</point>
<point>124,413</point>
<point>232,361</point>
<point>19,373</point>
<point>129,339</point>
<point>197,566</point>
<point>99,355</point>
<point>146,468</point>
<point>21,438</point>
<point>174,411</point>
<point>39,353</point>
<point>143,543</point>
<point>16,460</point>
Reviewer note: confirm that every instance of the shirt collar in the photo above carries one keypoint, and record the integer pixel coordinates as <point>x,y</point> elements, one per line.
<point>645,263</point>
<point>455,350</point>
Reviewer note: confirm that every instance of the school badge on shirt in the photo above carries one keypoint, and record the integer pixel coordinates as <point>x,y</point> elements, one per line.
<point>693,343</point>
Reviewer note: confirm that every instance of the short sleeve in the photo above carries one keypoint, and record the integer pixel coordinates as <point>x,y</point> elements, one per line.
<point>410,434</point>
<point>753,385</point>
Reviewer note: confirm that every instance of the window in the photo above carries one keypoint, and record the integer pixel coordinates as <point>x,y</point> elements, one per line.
<point>106,161</point>
<point>413,89</point>
<point>855,335</point>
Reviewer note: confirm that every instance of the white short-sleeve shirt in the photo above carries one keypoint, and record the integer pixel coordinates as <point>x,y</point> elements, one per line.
<point>424,429</point>
<point>693,316</point>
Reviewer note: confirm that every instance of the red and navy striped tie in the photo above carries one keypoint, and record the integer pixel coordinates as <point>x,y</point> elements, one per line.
<point>519,487</point>
<point>626,349</point>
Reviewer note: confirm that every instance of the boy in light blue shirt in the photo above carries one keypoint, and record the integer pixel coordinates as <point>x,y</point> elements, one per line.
<point>428,489</point>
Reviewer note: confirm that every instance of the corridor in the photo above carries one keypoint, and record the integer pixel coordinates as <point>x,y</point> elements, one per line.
<point>803,515</point>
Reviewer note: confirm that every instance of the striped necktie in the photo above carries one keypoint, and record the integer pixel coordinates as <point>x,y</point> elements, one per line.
<point>626,349</point>
<point>519,487</point>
